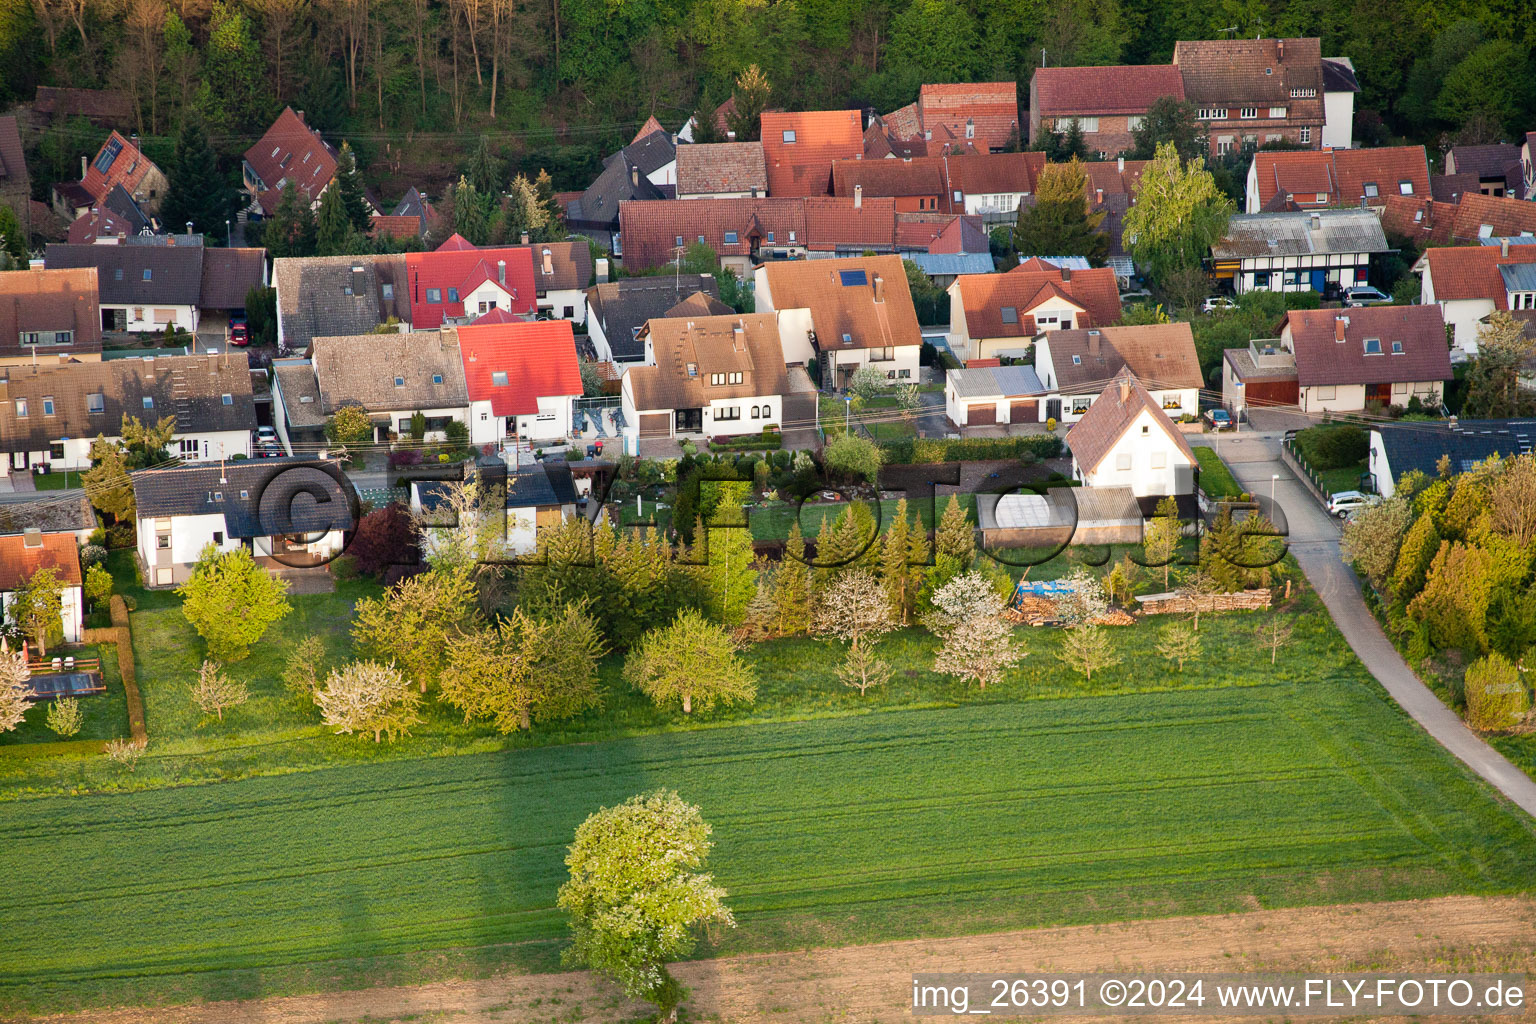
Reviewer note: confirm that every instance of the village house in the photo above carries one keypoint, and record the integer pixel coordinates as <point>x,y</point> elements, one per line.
<point>1469,282</point>
<point>391,377</point>
<point>1126,440</point>
<point>958,117</point>
<point>714,376</point>
<point>25,554</point>
<point>1074,366</point>
<point>1369,357</point>
<point>721,170</point>
<point>1495,166</point>
<point>119,162</point>
<point>1400,448</point>
<point>625,177</point>
<point>538,497</point>
<point>49,316</point>
<point>1263,375</point>
<point>1107,103</point>
<point>111,222</point>
<point>50,414</point>
<point>842,315</point>
<point>983,395</point>
<point>740,231</point>
<point>988,185</point>
<point>337,296</point>
<point>290,151</point>
<point>562,272</point>
<point>184,510</point>
<point>228,277</point>
<point>799,148</point>
<point>1254,91</point>
<point>457,283</point>
<point>522,380</point>
<point>998,315</point>
<point>1324,251</point>
<point>1280,181</point>
<point>146,285</point>
<point>617,310</point>
<point>1480,218</point>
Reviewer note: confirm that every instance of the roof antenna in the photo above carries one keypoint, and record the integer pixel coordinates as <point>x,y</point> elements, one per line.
<point>1230,30</point>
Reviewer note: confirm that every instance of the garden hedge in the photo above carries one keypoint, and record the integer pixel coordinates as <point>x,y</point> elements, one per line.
<point>925,449</point>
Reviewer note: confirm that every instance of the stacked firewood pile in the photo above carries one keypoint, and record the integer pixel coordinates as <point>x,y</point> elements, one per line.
<point>1032,610</point>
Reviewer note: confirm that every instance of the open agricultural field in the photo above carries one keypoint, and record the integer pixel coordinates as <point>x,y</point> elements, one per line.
<point>831,831</point>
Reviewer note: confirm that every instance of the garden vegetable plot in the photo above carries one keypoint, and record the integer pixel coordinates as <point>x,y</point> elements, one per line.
<point>830,831</point>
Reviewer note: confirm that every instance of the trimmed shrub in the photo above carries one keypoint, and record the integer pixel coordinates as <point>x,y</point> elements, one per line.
<point>925,450</point>
<point>1333,447</point>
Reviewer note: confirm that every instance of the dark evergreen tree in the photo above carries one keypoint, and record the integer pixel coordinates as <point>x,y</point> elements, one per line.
<point>197,192</point>
<point>485,170</point>
<point>290,231</point>
<point>333,231</point>
<point>349,185</point>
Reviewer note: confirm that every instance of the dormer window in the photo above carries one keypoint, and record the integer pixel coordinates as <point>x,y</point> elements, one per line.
<point>1373,346</point>
<point>499,378</point>
<point>847,339</point>
<point>735,377</point>
<point>434,295</point>
<point>453,295</point>
<point>717,378</point>
<point>117,274</point>
<point>679,241</point>
<point>389,292</point>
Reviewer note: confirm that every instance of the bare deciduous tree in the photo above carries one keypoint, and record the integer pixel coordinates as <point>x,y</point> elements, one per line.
<point>366,696</point>
<point>856,609</point>
<point>978,644</point>
<point>126,752</point>
<point>861,669</point>
<point>215,693</point>
<point>1178,642</point>
<point>281,22</point>
<point>1273,635</point>
<point>1512,501</point>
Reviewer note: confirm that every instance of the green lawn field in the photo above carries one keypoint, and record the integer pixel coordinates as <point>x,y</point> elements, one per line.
<point>830,831</point>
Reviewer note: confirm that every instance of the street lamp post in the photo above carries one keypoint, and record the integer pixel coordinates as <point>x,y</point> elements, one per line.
<point>847,412</point>
<point>227,236</point>
<point>1273,478</point>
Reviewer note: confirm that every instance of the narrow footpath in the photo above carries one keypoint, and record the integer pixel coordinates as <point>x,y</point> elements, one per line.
<point>1314,540</point>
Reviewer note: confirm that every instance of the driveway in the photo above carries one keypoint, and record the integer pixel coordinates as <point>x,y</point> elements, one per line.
<point>1314,540</point>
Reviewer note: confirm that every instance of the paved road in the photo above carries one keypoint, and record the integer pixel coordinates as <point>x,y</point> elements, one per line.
<point>1314,540</point>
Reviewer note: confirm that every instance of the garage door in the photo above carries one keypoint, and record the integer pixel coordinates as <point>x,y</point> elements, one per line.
<point>655,424</point>
<point>1024,412</point>
<point>980,415</point>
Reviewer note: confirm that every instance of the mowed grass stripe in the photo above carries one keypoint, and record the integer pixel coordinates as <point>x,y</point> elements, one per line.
<point>849,829</point>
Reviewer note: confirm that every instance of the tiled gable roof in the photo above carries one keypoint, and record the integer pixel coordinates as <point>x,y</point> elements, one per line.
<point>50,300</point>
<point>1260,72</point>
<point>363,370</point>
<point>190,388</point>
<point>117,162</point>
<point>841,297</point>
<point>1111,415</point>
<point>1160,356</point>
<point>1113,177</point>
<point>538,358</point>
<point>570,265</point>
<point>985,296</point>
<point>992,173</point>
<point>972,174</point>
<point>228,274</point>
<point>621,307</point>
<point>1342,176</point>
<point>651,125</point>
<point>291,151</point>
<point>798,149</point>
<point>19,560</point>
<point>1322,358</point>
<point>986,113</point>
<point>459,272</point>
<point>137,274</point>
<point>103,106</point>
<point>1480,216</point>
<point>696,305</point>
<point>832,224</point>
<point>335,296</point>
<point>388,225</point>
<point>707,168</point>
<point>1472,272</point>
<point>651,230</point>
<point>923,176</point>
<point>1421,221</point>
<point>257,498</point>
<point>735,343</point>
<point>1115,90</point>
<point>1497,160</point>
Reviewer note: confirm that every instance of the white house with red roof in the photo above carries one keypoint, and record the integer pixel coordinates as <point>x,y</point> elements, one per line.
<point>455,285</point>
<point>290,151</point>
<point>1469,282</point>
<point>996,315</point>
<point>119,163</point>
<point>522,380</point>
<point>1126,440</point>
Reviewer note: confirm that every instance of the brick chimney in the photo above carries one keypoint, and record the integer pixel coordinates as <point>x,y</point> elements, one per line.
<point>1340,325</point>
<point>1093,343</point>
<point>879,286</point>
<point>1125,389</point>
<point>858,197</point>
<point>549,262</point>
<point>525,238</point>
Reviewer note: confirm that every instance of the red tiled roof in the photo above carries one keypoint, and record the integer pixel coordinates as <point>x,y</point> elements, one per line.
<point>455,243</point>
<point>1323,359</point>
<point>650,227</point>
<point>843,302</point>
<point>1258,72</point>
<point>117,162</point>
<point>97,223</point>
<point>705,168</point>
<point>1472,271</point>
<point>923,176</point>
<point>1118,90</point>
<point>538,357</point>
<point>993,173</point>
<point>292,151</point>
<point>395,227</point>
<point>832,223</point>
<point>58,551</point>
<point>986,113</point>
<point>462,271</point>
<point>904,122</point>
<point>1342,175</point>
<point>1107,175</point>
<point>985,296</point>
<point>498,316</point>
<point>1420,220</point>
<point>651,125</point>
<point>804,167</point>
<point>1502,216</point>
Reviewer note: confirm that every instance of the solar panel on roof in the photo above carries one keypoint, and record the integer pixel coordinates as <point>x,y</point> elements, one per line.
<point>108,154</point>
<point>853,278</point>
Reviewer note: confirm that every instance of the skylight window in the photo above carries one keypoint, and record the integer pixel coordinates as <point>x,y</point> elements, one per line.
<point>1397,348</point>
<point>437,378</point>
<point>1010,314</point>
<point>847,339</point>
<point>730,238</point>
<point>148,273</point>
<point>1373,346</point>
<point>1371,190</point>
<point>1405,188</point>
<point>149,402</point>
<point>399,382</point>
<point>853,278</point>
<point>499,378</point>
<point>228,399</point>
<point>1077,360</point>
<point>789,136</point>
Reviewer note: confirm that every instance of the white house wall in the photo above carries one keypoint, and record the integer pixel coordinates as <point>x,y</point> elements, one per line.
<point>1338,120</point>
<point>142,318</point>
<point>71,611</point>
<point>1133,462</point>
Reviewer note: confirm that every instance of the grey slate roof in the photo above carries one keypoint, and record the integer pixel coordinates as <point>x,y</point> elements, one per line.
<point>257,498</point>
<point>540,485</point>
<point>49,515</point>
<point>599,204</point>
<point>1419,446</point>
<point>651,153</point>
<point>334,296</point>
<point>190,388</point>
<point>175,272</point>
<point>622,306</point>
<point>1251,235</point>
<point>123,205</point>
<point>413,205</point>
<point>1339,75</point>
<point>992,381</point>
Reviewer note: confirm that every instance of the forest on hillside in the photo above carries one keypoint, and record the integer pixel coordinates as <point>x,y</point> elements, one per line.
<point>559,83</point>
